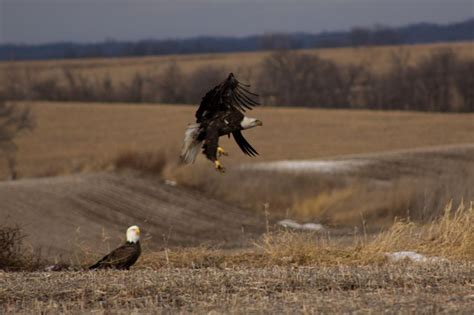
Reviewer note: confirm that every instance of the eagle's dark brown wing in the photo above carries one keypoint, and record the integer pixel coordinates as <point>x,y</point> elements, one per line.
<point>243,144</point>
<point>230,94</point>
<point>120,258</point>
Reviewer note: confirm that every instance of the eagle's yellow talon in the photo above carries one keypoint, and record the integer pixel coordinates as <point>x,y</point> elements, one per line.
<point>221,151</point>
<point>219,166</point>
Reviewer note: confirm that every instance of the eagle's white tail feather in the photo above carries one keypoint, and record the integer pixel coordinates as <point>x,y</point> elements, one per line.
<point>191,145</point>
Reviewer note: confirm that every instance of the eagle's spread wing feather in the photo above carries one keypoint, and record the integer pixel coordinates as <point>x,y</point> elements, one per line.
<point>243,144</point>
<point>228,95</point>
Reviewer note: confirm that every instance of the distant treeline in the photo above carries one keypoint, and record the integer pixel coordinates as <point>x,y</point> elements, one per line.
<point>441,82</point>
<point>358,36</point>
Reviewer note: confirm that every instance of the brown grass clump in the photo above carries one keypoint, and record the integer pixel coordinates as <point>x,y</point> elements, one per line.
<point>13,253</point>
<point>293,248</point>
<point>450,236</point>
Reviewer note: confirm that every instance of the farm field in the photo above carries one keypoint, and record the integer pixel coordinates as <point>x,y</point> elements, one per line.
<point>340,289</point>
<point>68,174</point>
<point>123,69</point>
<point>369,184</point>
<point>71,137</point>
<point>283,271</point>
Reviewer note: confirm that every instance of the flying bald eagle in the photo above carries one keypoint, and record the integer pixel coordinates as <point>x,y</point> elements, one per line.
<point>221,112</point>
<point>124,256</point>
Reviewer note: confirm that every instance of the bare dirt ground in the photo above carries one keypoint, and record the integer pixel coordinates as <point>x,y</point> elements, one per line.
<point>64,215</point>
<point>389,288</point>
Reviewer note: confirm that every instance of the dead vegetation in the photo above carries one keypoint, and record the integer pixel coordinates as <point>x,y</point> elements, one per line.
<point>450,236</point>
<point>284,272</point>
<point>14,254</point>
<point>11,251</point>
<point>385,288</point>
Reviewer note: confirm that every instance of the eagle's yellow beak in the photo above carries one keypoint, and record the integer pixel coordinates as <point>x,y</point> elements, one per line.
<point>138,231</point>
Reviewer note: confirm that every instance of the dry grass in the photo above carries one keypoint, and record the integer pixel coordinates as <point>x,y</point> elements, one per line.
<point>335,289</point>
<point>450,236</point>
<point>285,272</point>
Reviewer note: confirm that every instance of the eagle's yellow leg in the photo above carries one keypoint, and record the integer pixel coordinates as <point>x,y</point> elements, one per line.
<point>219,166</point>
<point>221,151</point>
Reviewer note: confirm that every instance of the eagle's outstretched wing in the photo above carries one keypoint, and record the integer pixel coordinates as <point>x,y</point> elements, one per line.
<point>243,144</point>
<point>230,94</point>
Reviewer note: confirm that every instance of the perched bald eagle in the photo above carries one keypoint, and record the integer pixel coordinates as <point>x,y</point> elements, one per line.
<point>124,256</point>
<point>220,113</point>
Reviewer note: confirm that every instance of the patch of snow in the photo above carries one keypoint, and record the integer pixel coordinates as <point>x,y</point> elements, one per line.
<point>320,166</point>
<point>413,256</point>
<point>297,226</point>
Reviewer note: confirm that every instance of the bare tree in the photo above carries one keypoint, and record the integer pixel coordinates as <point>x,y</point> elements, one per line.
<point>394,89</point>
<point>297,79</point>
<point>464,83</point>
<point>13,120</point>
<point>171,85</point>
<point>434,80</point>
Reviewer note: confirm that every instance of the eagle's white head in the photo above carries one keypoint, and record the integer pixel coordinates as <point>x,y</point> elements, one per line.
<point>248,122</point>
<point>133,234</point>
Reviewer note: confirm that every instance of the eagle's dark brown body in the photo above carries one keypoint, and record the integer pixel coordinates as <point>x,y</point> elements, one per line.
<point>225,123</point>
<point>121,258</point>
